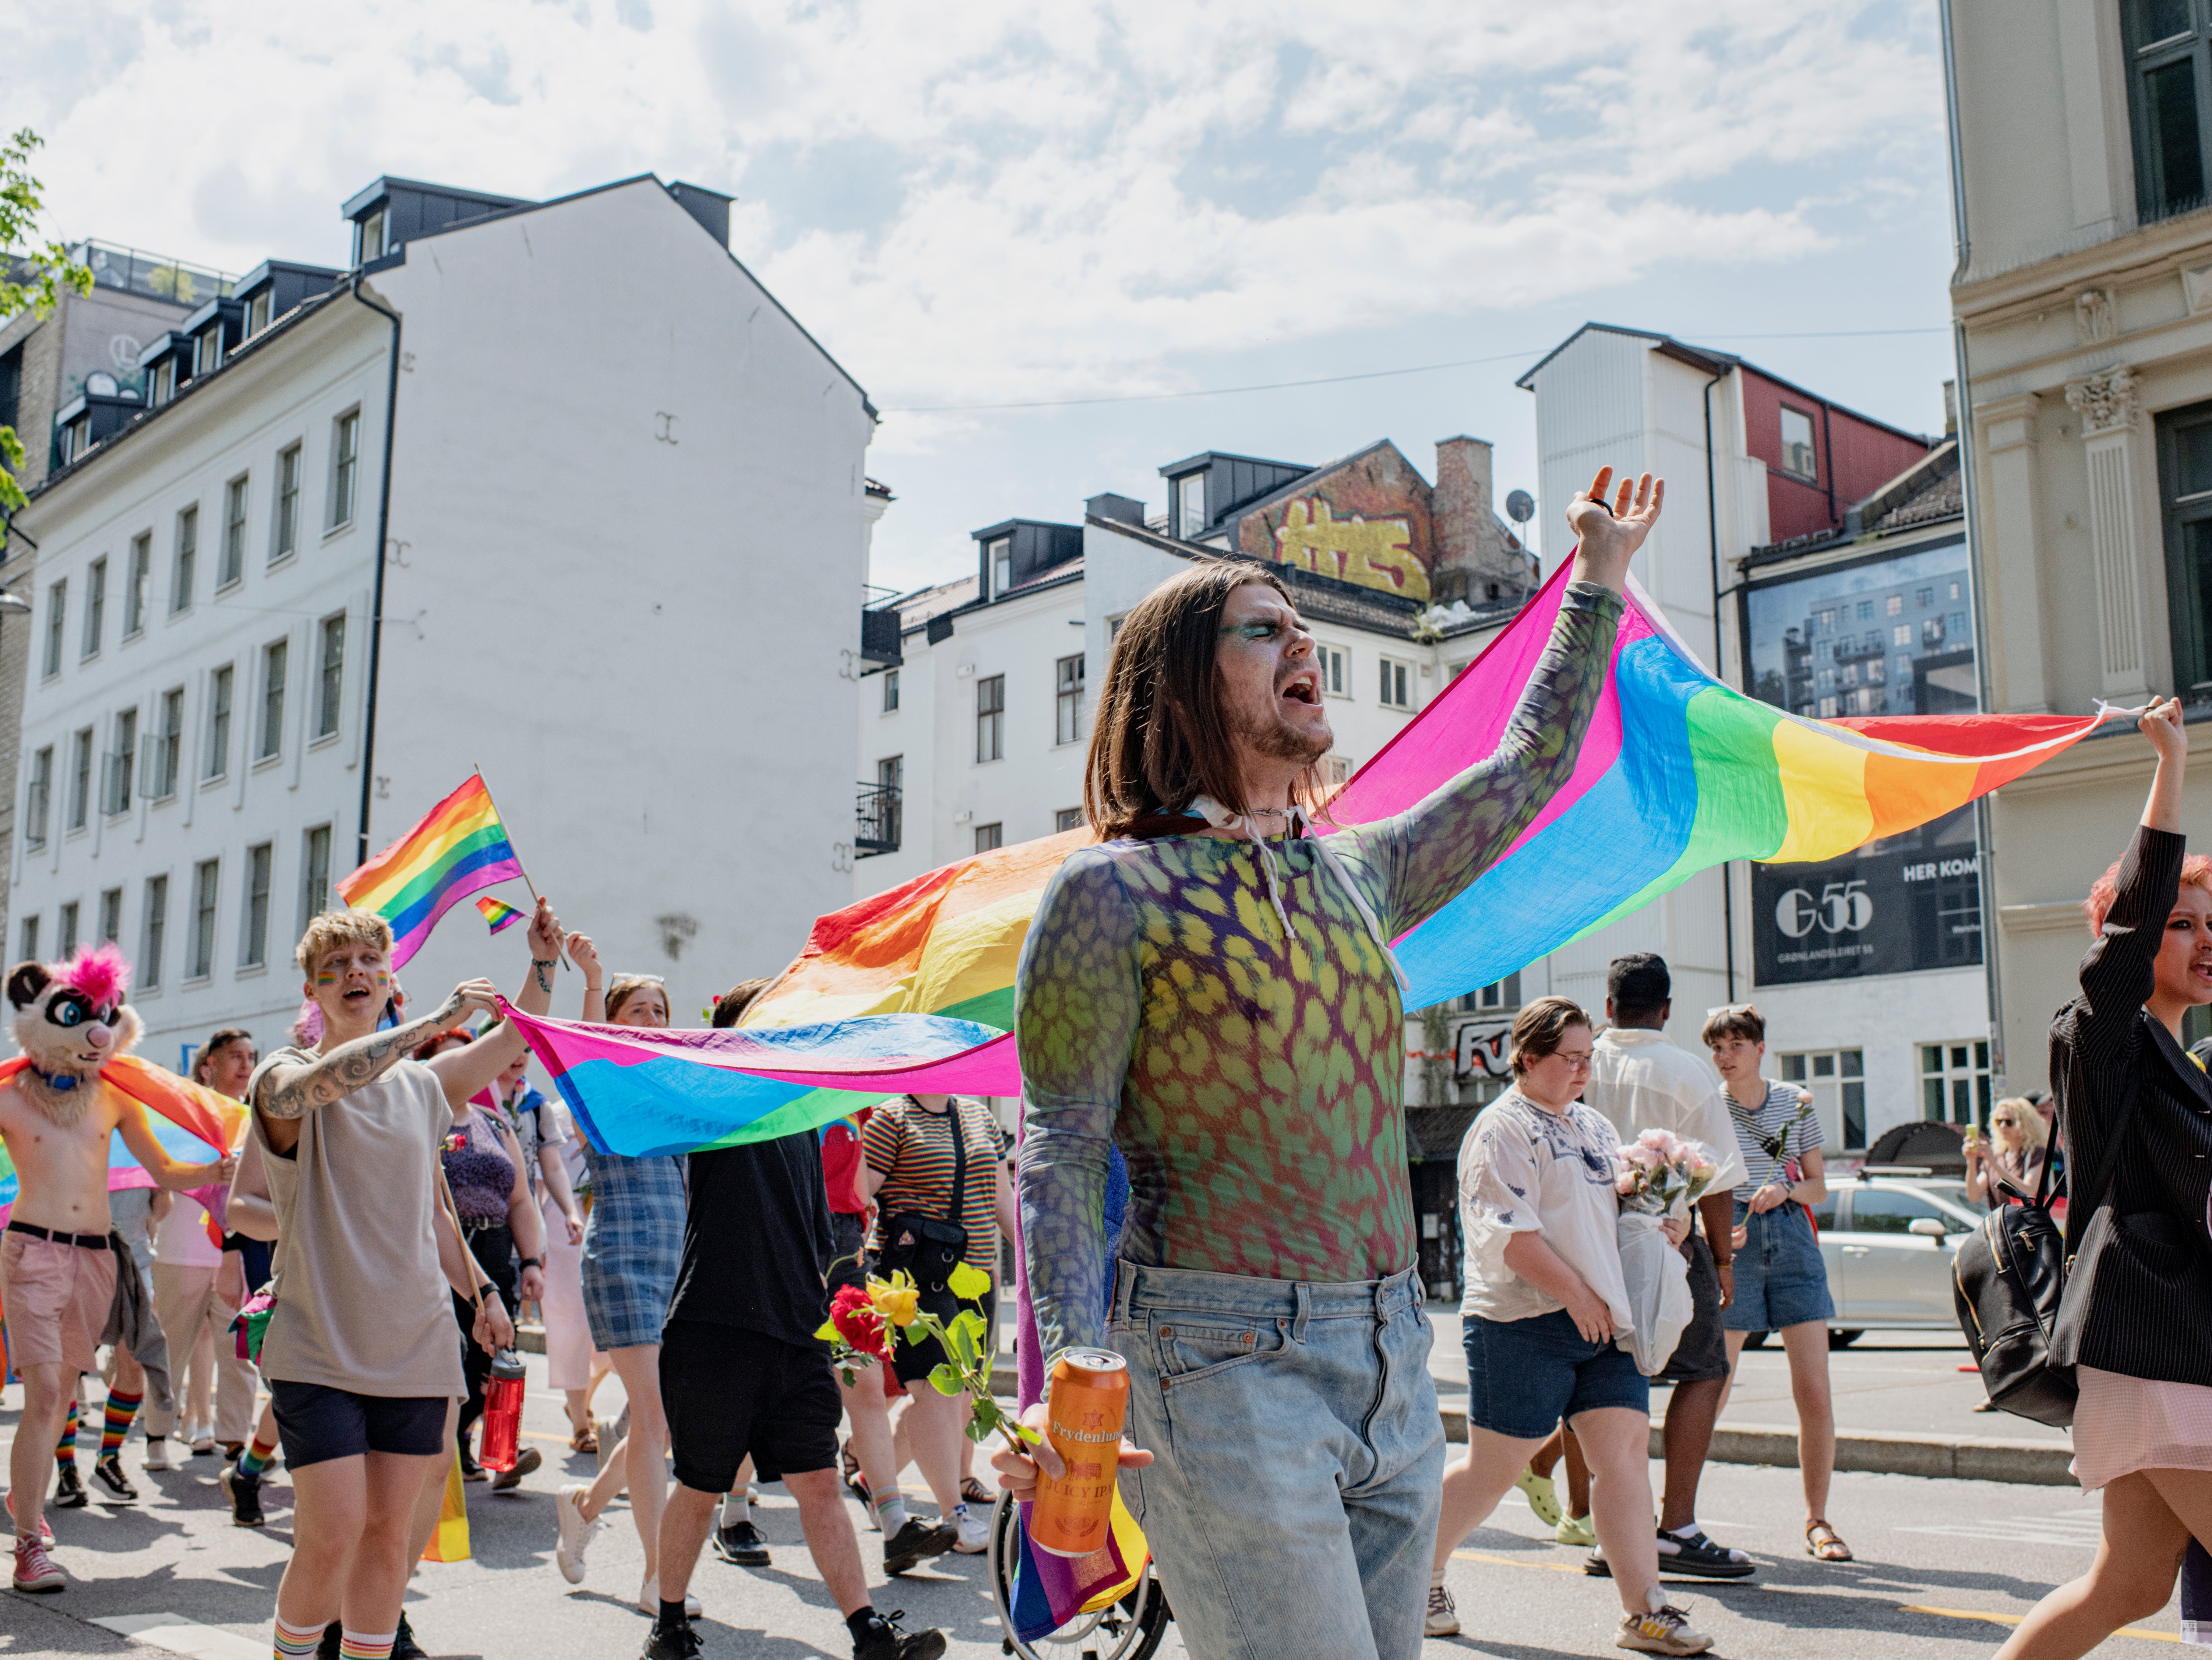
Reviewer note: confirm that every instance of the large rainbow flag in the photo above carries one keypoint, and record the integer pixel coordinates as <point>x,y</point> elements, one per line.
<point>1678,773</point>
<point>458,848</point>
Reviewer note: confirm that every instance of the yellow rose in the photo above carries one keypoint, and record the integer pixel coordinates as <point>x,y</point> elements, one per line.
<point>897,1299</point>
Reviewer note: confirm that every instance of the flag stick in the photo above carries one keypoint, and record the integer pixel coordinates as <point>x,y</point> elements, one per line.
<point>526,882</point>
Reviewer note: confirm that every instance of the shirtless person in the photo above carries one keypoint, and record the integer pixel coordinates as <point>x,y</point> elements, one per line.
<point>56,1268</point>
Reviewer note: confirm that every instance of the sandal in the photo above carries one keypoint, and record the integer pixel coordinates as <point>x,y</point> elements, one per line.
<point>1823,1543</point>
<point>856,1482</point>
<point>583,1440</point>
<point>975,1492</point>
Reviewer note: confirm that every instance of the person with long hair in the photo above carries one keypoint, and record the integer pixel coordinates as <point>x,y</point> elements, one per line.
<point>1545,1297</point>
<point>1781,1282</point>
<point>2135,1323</point>
<point>2017,1147</point>
<point>633,1246</point>
<point>1211,987</point>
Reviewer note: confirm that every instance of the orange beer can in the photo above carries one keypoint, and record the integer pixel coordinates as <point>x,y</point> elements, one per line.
<point>1088,1403</point>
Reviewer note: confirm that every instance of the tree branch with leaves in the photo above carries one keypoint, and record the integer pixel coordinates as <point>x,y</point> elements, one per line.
<point>32,276</point>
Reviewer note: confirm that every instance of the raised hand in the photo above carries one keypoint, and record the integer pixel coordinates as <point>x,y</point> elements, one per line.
<point>1608,534</point>
<point>545,935</point>
<point>2161,724</point>
<point>585,956</point>
<point>470,997</point>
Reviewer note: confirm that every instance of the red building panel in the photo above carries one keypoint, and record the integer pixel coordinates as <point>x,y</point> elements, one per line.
<point>1851,456</point>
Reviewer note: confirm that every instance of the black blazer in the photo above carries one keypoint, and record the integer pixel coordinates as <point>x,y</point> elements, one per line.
<point>2139,1299</point>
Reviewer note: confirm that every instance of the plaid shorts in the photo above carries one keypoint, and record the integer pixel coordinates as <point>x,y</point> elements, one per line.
<point>633,1244</point>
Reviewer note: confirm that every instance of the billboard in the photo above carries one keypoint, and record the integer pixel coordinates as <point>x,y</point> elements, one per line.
<point>1896,906</point>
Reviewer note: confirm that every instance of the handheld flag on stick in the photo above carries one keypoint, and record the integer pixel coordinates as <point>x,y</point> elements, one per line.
<point>460,849</point>
<point>500,913</point>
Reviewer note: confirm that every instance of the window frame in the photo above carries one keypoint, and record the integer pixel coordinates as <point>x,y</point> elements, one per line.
<point>153,929</point>
<point>998,556</point>
<point>56,627</point>
<point>276,665</point>
<point>65,928</point>
<point>1400,676</point>
<point>1839,1094</point>
<point>206,898</point>
<point>1812,445</point>
<point>315,872</point>
<point>330,677</point>
<point>990,719</point>
<point>122,764</point>
<point>2189,605</point>
<point>167,746</point>
<point>1065,819</point>
<point>230,569</point>
<point>345,471</point>
<point>39,797</point>
<point>996,834</point>
<point>82,746</point>
<point>137,585</point>
<point>111,917</point>
<point>29,938</point>
<point>1951,1070</point>
<point>2142,59</point>
<point>890,692</point>
<point>95,609</point>
<point>1067,701</point>
<point>284,513</point>
<point>258,889</point>
<point>222,696</point>
<point>1335,666</point>
<point>184,560</point>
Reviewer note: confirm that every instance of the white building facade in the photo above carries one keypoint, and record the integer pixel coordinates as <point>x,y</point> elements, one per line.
<point>599,536</point>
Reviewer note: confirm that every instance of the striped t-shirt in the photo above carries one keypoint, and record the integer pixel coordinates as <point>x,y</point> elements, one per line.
<point>912,1149</point>
<point>1782,1127</point>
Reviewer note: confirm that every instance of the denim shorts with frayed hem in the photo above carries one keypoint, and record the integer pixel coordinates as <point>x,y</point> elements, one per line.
<point>1780,1280</point>
<point>1524,1375</point>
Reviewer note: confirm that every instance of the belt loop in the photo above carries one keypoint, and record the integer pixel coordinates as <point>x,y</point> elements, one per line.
<point>1124,1278</point>
<point>1306,1309</point>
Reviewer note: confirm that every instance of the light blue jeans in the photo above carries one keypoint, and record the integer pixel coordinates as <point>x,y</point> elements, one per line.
<point>1291,1507</point>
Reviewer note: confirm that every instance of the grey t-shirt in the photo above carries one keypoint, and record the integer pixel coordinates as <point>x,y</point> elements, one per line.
<point>362,1303</point>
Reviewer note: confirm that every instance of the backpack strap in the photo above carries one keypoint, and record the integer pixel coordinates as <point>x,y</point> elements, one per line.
<point>2090,1197</point>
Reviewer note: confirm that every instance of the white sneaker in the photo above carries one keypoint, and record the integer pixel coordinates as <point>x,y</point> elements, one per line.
<point>576,1532</point>
<point>1665,1630</point>
<point>974,1536</point>
<point>157,1453</point>
<point>1442,1617</point>
<point>648,1601</point>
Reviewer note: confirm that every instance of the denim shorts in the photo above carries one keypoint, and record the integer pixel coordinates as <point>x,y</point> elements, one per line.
<point>1780,1280</point>
<point>1524,1375</point>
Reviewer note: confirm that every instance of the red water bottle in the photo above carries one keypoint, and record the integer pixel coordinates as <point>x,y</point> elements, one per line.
<point>503,1412</point>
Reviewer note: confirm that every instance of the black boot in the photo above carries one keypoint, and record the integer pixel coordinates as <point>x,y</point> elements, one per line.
<point>877,1636</point>
<point>69,1490</point>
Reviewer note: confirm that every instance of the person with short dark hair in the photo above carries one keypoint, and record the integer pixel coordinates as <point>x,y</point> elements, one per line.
<point>1642,1082</point>
<point>1545,1298</point>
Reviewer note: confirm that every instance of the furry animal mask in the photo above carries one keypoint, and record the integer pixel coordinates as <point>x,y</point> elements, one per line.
<point>70,1020</point>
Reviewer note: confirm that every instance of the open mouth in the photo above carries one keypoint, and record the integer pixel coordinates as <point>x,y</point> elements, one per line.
<point>357,994</point>
<point>1305,688</point>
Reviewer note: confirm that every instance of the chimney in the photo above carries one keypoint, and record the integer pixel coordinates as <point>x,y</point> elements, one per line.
<point>1473,557</point>
<point>1125,509</point>
<point>1950,408</point>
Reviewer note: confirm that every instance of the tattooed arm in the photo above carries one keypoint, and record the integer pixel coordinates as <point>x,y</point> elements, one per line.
<point>469,1070</point>
<point>285,1094</point>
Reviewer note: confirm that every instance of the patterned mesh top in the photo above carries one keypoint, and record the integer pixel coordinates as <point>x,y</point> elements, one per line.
<point>1254,1083</point>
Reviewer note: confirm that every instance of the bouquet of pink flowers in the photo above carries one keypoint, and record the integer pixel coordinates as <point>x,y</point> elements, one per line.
<point>1661,1175</point>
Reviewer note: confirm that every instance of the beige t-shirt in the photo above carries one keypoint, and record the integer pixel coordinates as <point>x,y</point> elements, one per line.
<point>361,1303</point>
<point>1522,1169</point>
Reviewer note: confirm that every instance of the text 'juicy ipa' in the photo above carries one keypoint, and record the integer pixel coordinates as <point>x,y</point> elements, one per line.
<point>1089,1402</point>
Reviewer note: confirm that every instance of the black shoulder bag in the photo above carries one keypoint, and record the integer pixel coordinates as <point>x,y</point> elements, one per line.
<point>930,1247</point>
<point>2007,1280</point>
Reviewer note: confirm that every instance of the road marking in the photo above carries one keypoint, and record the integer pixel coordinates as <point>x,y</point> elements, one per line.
<point>1514,1562</point>
<point>178,1635</point>
<point>2082,1531</point>
<point>2014,1619</point>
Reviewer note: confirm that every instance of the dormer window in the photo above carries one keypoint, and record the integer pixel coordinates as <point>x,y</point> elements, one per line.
<point>1002,566</point>
<point>77,438</point>
<point>257,314</point>
<point>1190,505</point>
<point>207,350</point>
<point>164,381</point>
<point>370,234</point>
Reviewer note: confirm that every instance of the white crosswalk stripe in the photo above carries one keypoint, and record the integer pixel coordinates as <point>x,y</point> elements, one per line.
<point>2083,1529</point>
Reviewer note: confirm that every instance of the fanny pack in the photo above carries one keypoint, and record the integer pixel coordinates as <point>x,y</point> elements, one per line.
<point>930,1247</point>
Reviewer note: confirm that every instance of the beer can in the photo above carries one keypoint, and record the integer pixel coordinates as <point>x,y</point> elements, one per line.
<point>1088,1405</point>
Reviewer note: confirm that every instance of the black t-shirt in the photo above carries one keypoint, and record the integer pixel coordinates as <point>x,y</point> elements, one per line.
<point>756,1235</point>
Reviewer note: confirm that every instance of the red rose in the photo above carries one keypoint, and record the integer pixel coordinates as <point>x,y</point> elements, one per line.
<point>858,1324</point>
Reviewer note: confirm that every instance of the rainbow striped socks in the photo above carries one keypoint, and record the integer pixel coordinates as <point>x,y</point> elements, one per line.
<point>121,1410</point>
<point>297,1642</point>
<point>257,1458</point>
<point>65,1449</point>
<point>361,1645</point>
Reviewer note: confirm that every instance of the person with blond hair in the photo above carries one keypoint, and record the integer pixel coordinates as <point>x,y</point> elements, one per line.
<point>359,1350</point>
<point>2022,1144</point>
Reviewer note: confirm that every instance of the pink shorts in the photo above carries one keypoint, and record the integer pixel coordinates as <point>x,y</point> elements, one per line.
<point>56,1298</point>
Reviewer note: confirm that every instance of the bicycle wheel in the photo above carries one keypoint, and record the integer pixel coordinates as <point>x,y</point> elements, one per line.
<point>1130,1629</point>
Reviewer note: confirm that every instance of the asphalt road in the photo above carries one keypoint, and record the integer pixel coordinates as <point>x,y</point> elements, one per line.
<point>1942,1564</point>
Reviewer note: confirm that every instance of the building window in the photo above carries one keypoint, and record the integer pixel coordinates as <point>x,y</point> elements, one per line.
<point>80,778</point>
<point>1497,996</point>
<point>1797,444</point>
<point>1068,713</point>
<point>1838,1081</point>
<point>285,532</point>
<point>1190,505</point>
<point>2167,69</point>
<point>188,548</point>
<point>31,939</point>
<point>991,718</point>
<point>201,964</point>
<point>315,877</point>
<point>95,608</point>
<point>257,314</point>
<point>219,723</point>
<point>1397,684</point>
<point>164,381</point>
<point>39,797</point>
<point>116,792</point>
<point>1067,818</point>
<point>370,228</point>
<point>1335,666</point>
<point>272,700</point>
<point>890,690</point>
<point>157,933</point>
<point>111,916</point>
<point>2185,476</point>
<point>167,748</point>
<point>233,533</point>
<point>56,609</point>
<point>1001,553</point>
<point>260,862</point>
<point>330,676</point>
<point>989,836</point>
<point>1954,1082</point>
<point>207,351</point>
<point>67,940</point>
<point>345,462</point>
<point>135,585</point>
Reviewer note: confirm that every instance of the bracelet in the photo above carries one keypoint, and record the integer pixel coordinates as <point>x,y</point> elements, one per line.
<point>530,1262</point>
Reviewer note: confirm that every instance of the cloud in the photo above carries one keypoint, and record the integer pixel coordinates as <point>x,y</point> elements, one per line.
<point>996,201</point>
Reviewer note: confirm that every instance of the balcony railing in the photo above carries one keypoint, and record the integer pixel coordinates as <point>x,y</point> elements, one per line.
<point>877,830</point>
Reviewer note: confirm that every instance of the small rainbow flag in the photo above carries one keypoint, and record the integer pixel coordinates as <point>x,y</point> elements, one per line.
<point>500,913</point>
<point>459,848</point>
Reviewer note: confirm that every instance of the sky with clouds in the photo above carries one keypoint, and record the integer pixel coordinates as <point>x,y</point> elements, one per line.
<point>1100,205</point>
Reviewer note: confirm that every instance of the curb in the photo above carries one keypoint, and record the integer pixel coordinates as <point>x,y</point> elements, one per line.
<point>1962,1457</point>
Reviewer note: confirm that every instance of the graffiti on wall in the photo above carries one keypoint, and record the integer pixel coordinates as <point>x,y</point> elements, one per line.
<point>1365,521</point>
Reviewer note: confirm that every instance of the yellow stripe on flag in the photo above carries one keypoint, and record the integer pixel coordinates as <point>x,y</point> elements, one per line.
<point>450,1541</point>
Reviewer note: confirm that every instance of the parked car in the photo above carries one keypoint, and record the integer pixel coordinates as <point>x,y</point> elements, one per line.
<point>1887,1236</point>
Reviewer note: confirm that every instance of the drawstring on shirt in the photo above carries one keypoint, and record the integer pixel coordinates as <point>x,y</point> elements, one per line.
<point>1222,818</point>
